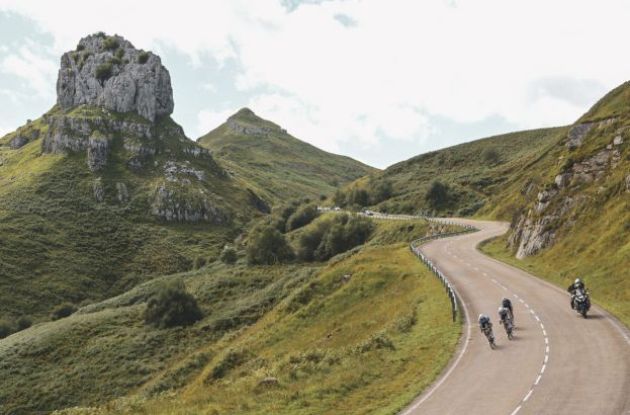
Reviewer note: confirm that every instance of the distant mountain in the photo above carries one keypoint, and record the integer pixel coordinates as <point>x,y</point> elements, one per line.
<point>275,164</point>
<point>105,190</point>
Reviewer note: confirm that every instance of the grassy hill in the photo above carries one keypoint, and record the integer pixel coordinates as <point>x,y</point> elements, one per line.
<point>326,336</point>
<point>69,234</point>
<point>471,174</point>
<point>570,210</point>
<point>275,164</point>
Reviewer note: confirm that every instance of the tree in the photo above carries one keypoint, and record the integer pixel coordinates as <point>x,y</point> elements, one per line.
<point>438,195</point>
<point>6,329</point>
<point>381,191</point>
<point>172,306</point>
<point>23,323</point>
<point>302,217</point>
<point>268,246</point>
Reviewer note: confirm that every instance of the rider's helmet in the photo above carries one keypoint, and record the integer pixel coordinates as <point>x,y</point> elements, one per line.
<point>578,281</point>
<point>505,302</point>
<point>502,311</point>
<point>483,318</point>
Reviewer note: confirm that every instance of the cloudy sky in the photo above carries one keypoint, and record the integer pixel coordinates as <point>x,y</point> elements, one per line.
<point>378,80</point>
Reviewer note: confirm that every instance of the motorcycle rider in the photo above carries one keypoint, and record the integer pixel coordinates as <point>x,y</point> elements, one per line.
<point>484,323</point>
<point>578,284</point>
<point>508,304</point>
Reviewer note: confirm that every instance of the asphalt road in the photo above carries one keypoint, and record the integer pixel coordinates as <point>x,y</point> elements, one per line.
<point>558,362</point>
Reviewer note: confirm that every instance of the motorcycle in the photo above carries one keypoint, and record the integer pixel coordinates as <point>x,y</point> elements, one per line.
<point>487,331</point>
<point>507,324</point>
<point>582,302</point>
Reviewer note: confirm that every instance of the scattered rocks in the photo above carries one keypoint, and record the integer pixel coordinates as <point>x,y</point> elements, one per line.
<point>97,151</point>
<point>346,278</point>
<point>562,180</point>
<point>109,72</point>
<point>618,140</point>
<point>628,183</point>
<point>173,170</point>
<point>123,193</point>
<point>98,190</point>
<point>577,133</point>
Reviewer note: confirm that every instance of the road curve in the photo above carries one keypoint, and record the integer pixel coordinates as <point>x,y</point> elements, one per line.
<point>558,362</point>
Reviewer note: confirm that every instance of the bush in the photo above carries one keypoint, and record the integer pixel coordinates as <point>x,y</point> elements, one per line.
<point>302,217</point>
<point>120,53</point>
<point>330,238</point>
<point>143,57</point>
<point>381,191</point>
<point>491,156</point>
<point>62,311</point>
<point>231,360</point>
<point>228,255</point>
<point>172,306</point>
<point>200,262</point>
<point>80,47</point>
<point>110,43</point>
<point>268,246</point>
<point>23,323</point>
<point>103,71</point>
<point>438,195</point>
<point>6,329</point>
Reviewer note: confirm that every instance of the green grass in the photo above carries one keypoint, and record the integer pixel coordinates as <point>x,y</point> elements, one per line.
<point>57,243</point>
<point>368,345</point>
<point>472,178</point>
<point>275,164</point>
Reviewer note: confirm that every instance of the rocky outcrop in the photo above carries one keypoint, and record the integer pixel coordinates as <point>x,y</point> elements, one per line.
<point>97,151</point>
<point>576,134</point>
<point>628,183</point>
<point>122,193</point>
<point>109,72</point>
<point>178,205</point>
<point>98,190</point>
<point>536,229</point>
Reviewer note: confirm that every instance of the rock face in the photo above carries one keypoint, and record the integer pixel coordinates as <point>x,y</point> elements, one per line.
<point>109,72</point>
<point>536,229</point>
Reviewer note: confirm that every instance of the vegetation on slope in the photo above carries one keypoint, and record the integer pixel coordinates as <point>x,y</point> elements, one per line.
<point>268,338</point>
<point>59,243</point>
<point>469,175</point>
<point>276,165</point>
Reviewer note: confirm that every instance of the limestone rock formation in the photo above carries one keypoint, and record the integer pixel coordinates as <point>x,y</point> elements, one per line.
<point>109,72</point>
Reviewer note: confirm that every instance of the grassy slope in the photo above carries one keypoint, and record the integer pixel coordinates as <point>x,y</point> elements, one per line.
<point>277,165</point>
<point>464,168</point>
<point>593,239</point>
<point>58,244</point>
<point>280,317</point>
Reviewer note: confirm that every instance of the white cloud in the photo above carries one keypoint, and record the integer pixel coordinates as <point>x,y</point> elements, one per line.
<point>398,67</point>
<point>35,68</point>
<point>208,120</point>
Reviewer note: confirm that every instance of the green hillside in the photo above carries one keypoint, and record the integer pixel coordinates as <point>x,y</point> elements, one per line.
<point>354,321</point>
<point>70,234</point>
<point>275,164</point>
<point>471,173</point>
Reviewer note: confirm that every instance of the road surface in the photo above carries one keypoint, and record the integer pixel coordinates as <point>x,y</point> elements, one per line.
<point>558,363</point>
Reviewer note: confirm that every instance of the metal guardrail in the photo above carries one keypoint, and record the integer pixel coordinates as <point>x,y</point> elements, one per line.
<point>415,248</point>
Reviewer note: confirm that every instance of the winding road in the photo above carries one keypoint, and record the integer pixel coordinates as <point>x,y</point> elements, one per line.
<point>558,363</point>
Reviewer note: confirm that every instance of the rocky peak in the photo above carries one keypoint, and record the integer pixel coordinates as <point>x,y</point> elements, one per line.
<point>109,72</point>
<point>246,122</point>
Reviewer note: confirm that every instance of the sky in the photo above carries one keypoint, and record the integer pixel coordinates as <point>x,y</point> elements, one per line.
<point>380,81</point>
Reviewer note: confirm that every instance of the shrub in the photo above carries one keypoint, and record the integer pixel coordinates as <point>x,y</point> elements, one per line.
<point>101,34</point>
<point>23,323</point>
<point>228,255</point>
<point>143,57</point>
<point>110,43</point>
<point>172,306</point>
<point>62,311</point>
<point>200,262</point>
<point>80,47</point>
<point>120,53</point>
<point>231,360</point>
<point>268,246</point>
<point>491,156</point>
<point>115,61</point>
<point>103,71</point>
<point>302,217</point>
<point>6,329</point>
<point>438,195</point>
<point>329,238</point>
<point>381,191</point>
